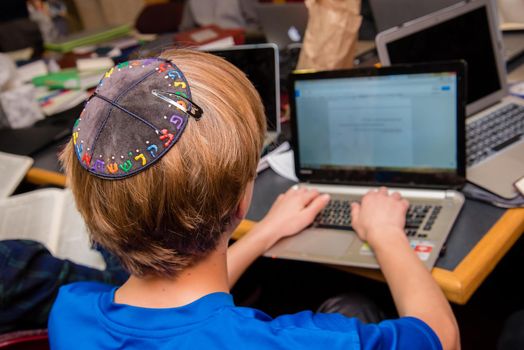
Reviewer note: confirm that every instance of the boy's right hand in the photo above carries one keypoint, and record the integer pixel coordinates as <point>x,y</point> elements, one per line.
<point>380,217</point>
<point>380,220</point>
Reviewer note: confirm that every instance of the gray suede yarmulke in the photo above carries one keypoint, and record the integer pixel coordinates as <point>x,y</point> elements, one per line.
<point>137,113</point>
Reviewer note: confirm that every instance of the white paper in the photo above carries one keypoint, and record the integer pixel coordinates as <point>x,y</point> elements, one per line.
<point>33,216</point>
<point>228,41</point>
<point>7,72</point>
<point>53,102</point>
<point>203,35</point>
<point>12,170</point>
<point>90,79</point>
<point>263,162</point>
<point>94,64</point>
<point>284,165</point>
<point>20,106</point>
<point>34,69</point>
<point>74,243</point>
<point>49,216</point>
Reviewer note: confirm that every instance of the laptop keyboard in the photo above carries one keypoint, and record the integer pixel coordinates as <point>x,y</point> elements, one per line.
<point>337,215</point>
<point>493,132</point>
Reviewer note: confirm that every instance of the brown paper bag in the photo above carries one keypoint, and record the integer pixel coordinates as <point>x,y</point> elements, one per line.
<point>331,35</point>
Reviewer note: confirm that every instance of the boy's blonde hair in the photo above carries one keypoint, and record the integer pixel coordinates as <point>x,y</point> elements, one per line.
<point>169,216</point>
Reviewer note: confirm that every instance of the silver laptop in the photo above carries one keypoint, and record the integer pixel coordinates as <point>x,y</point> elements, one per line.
<point>494,148</point>
<point>388,14</point>
<point>355,130</point>
<point>261,65</point>
<point>283,24</point>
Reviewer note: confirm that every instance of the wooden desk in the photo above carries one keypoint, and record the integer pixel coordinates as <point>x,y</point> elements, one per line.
<point>40,176</point>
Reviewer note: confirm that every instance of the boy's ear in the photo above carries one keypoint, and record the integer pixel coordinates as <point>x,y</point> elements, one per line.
<point>245,202</point>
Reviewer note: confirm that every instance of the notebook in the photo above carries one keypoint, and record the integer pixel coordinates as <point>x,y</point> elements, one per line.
<point>261,65</point>
<point>283,24</point>
<point>12,171</point>
<point>495,124</point>
<point>355,130</point>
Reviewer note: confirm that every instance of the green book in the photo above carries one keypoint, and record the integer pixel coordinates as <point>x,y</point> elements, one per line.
<point>69,79</point>
<point>90,37</point>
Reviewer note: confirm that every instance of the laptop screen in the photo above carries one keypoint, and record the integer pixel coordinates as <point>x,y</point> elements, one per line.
<point>260,64</point>
<point>378,128</point>
<point>465,37</point>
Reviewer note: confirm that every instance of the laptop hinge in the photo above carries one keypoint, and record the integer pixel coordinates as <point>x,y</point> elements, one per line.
<point>361,190</point>
<point>451,194</point>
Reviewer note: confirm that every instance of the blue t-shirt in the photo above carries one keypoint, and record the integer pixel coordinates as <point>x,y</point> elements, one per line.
<point>84,316</point>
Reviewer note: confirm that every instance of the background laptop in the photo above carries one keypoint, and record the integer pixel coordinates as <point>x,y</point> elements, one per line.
<point>495,149</point>
<point>283,24</point>
<point>261,65</point>
<point>358,129</point>
<point>388,14</point>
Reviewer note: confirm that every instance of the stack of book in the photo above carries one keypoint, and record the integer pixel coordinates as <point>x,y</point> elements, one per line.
<point>67,88</point>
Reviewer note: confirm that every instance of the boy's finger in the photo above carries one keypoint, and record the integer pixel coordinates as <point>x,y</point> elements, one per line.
<point>316,205</point>
<point>308,196</point>
<point>396,195</point>
<point>355,211</point>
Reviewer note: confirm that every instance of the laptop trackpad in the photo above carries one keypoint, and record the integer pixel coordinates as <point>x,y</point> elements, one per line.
<point>321,242</point>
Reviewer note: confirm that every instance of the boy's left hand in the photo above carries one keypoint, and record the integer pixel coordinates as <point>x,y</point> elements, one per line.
<point>291,213</point>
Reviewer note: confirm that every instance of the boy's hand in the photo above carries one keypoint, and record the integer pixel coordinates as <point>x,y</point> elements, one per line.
<point>291,213</point>
<point>379,216</point>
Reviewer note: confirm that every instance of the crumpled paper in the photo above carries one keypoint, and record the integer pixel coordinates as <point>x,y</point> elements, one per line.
<point>18,105</point>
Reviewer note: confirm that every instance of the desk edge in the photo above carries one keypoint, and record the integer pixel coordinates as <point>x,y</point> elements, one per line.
<point>40,176</point>
<point>487,253</point>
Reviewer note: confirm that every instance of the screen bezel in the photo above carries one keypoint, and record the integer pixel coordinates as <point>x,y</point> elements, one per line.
<point>374,177</point>
<point>388,14</point>
<point>399,32</point>
<point>254,48</point>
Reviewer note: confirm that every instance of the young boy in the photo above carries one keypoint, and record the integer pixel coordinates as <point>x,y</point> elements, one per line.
<point>162,164</point>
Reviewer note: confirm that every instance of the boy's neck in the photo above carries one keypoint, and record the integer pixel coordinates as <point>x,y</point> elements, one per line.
<point>206,277</point>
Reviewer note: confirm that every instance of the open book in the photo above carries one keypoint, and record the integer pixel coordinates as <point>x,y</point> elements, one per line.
<point>12,170</point>
<point>50,217</point>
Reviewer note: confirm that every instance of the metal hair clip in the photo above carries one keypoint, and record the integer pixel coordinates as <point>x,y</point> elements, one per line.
<point>187,106</point>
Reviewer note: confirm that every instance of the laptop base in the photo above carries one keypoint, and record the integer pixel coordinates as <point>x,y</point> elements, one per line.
<point>338,247</point>
<point>500,171</point>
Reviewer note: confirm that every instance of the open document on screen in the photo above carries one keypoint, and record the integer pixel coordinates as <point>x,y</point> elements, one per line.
<point>396,122</point>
